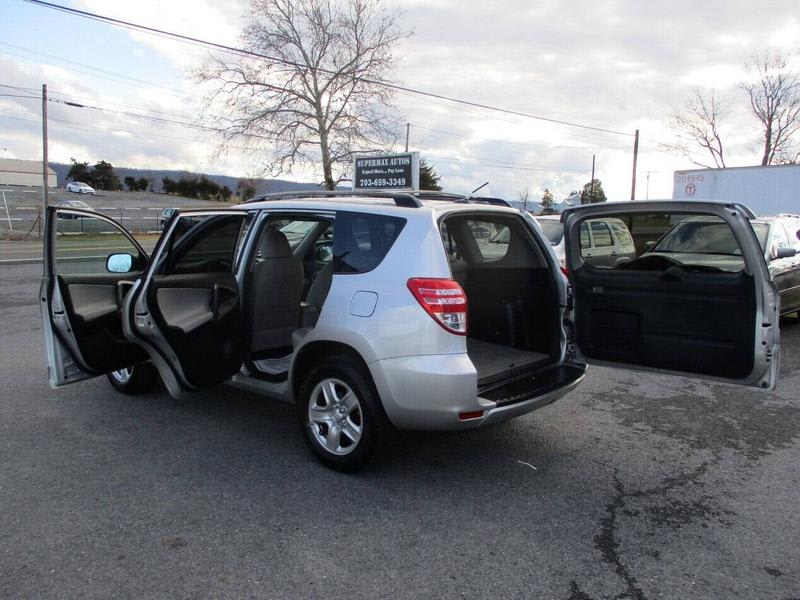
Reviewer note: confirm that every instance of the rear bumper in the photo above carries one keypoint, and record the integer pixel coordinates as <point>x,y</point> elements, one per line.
<point>430,392</point>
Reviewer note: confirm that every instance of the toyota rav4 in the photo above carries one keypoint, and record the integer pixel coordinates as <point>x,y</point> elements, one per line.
<point>405,310</point>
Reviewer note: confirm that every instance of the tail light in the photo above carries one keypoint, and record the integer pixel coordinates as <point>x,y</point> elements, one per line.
<point>444,300</point>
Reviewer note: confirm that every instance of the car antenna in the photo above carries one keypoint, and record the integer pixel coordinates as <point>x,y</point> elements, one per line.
<point>480,187</point>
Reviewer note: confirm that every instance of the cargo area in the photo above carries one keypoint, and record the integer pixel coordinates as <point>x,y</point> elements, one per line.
<point>511,296</point>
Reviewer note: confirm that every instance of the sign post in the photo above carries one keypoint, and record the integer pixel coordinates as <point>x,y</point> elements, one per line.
<point>386,172</point>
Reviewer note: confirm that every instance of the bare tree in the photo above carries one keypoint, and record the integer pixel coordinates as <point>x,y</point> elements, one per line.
<point>315,93</point>
<point>775,101</point>
<point>697,123</point>
<point>523,198</point>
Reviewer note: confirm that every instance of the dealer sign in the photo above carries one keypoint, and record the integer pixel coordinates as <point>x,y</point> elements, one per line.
<point>386,172</point>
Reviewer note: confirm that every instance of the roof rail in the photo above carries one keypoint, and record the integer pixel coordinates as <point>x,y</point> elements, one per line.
<point>403,199</point>
<point>450,197</point>
<point>794,216</point>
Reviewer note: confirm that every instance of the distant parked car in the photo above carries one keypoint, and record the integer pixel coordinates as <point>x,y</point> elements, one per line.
<point>79,187</point>
<point>604,242</point>
<point>78,204</point>
<point>165,215</point>
<point>780,239</point>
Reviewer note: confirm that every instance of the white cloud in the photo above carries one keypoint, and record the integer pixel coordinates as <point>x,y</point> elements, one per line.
<point>787,37</point>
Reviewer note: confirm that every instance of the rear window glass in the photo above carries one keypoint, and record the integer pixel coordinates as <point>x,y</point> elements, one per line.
<point>361,241</point>
<point>661,241</point>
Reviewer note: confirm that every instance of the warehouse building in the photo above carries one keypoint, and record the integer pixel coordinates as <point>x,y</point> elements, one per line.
<point>25,172</point>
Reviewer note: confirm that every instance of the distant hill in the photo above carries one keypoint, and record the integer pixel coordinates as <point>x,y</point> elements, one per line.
<point>156,175</point>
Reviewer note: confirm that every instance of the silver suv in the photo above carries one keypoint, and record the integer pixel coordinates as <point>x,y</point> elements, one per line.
<point>388,310</point>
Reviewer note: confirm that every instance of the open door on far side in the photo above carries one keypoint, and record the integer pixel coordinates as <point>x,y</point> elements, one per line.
<point>694,298</point>
<point>186,311</point>
<point>90,263</point>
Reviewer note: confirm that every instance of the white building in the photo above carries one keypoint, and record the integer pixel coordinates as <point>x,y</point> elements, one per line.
<point>25,172</point>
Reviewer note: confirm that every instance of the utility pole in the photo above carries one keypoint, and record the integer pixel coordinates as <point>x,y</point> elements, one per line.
<point>591,182</point>
<point>647,193</point>
<point>44,157</point>
<point>635,156</point>
<point>408,134</point>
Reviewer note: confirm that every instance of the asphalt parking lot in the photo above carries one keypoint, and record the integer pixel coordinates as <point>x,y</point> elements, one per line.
<point>634,486</point>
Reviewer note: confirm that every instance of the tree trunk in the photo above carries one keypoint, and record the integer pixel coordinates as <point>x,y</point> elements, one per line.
<point>767,145</point>
<point>327,167</point>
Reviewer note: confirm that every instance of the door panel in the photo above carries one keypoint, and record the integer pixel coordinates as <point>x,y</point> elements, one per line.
<point>187,312</point>
<point>81,299</point>
<point>696,299</point>
<point>696,323</point>
<point>204,334</point>
<point>93,304</point>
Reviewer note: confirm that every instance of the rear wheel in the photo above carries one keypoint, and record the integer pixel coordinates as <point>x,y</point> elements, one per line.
<point>138,379</point>
<point>340,414</point>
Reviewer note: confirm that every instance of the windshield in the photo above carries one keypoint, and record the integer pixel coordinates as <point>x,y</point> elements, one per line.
<point>552,229</point>
<point>710,236</point>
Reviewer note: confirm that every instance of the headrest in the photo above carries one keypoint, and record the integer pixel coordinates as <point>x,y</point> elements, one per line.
<point>274,244</point>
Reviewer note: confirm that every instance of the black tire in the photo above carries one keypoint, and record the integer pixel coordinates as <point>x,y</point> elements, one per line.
<point>367,416</point>
<point>135,380</point>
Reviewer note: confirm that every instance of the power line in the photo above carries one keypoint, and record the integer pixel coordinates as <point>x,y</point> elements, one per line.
<point>114,77</point>
<point>510,167</point>
<point>242,51</point>
<point>528,144</point>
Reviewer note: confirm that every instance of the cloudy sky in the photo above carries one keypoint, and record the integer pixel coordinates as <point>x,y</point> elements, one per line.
<point>616,65</point>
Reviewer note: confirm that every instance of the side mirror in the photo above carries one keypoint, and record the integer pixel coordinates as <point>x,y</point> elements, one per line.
<point>119,263</point>
<point>650,244</point>
<point>785,252</point>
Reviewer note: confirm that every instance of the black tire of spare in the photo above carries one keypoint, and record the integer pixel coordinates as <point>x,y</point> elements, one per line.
<point>376,427</point>
<point>143,379</point>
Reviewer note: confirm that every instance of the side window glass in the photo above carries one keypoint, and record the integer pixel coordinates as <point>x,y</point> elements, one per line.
<point>204,244</point>
<point>601,234</point>
<point>793,232</point>
<point>361,241</point>
<point>93,246</point>
<point>693,243</point>
<point>585,241</point>
<point>491,237</point>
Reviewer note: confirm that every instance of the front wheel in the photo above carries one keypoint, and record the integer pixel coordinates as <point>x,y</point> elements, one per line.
<point>138,379</point>
<point>340,414</point>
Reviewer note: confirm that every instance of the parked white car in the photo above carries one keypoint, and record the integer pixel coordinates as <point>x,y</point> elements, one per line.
<point>79,187</point>
<point>390,310</point>
<point>604,242</point>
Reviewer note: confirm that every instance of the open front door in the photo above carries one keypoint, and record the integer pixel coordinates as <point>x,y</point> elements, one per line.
<point>186,311</point>
<point>90,263</point>
<point>690,294</point>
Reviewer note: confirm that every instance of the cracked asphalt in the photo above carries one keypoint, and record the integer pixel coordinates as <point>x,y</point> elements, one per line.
<point>634,486</point>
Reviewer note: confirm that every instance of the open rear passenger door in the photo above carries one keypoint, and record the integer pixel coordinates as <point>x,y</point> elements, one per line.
<point>90,263</point>
<point>696,299</point>
<point>186,310</point>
